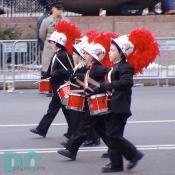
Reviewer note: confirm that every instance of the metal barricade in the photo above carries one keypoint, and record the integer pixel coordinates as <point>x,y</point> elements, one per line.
<point>167,47</point>
<point>164,65</point>
<point>20,62</point>
<point>2,65</point>
<point>21,8</point>
<point>153,71</point>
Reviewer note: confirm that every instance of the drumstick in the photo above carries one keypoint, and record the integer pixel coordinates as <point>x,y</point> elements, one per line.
<point>82,84</point>
<point>75,85</point>
<point>86,79</point>
<point>76,67</point>
<point>79,65</point>
<point>93,82</point>
<point>77,90</point>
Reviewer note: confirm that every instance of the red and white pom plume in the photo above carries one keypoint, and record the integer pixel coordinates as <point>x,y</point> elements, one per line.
<point>83,42</point>
<point>71,31</point>
<point>145,49</point>
<point>91,34</point>
<point>105,40</point>
<point>88,36</point>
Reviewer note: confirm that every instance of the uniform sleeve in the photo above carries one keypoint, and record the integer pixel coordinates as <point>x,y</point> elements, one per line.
<point>126,79</point>
<point>59,72</point>
<point>99,73</point>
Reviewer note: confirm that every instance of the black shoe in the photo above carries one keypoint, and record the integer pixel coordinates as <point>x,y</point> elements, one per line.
<point>63,144</point>
<point>110,169</point>
<point>90,143</point>
<point>135,161</point>
<point>36,131</point>
<point>66,135</point>
<point>105,155</point>
<point>67,153</point>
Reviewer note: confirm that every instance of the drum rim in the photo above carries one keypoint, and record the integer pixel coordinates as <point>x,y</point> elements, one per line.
<point>44,81</point>
<point>76,94</point>
<point>98,95</point>
<point>74,108</point>
<point>63,85</point>
<point>101,112</point>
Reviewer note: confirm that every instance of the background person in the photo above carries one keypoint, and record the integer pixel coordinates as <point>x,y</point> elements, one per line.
<point>46,29</point>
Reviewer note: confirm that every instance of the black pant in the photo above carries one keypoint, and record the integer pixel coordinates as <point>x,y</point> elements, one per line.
<point>75,121</point>
<point>118,145</point>
<point>52,111</point>
<point>86,124</point>
<point>76,118</point>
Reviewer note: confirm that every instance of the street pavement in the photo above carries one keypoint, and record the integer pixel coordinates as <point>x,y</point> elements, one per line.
<point>151,128</point>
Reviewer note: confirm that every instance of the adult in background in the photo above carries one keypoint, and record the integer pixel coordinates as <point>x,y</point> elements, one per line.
<point>46,29</point>
<point>46,13</point>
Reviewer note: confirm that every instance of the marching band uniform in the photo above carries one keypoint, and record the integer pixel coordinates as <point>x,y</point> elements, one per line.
<point>59,71</point>
<point>92,138</point>
<point>58,75</point>
<point>126,52</point>
<point>76,114</point>
<point>97,72</point>
<point>121,84</point>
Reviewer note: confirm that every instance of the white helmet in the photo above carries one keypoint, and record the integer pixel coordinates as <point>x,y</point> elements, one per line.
<point>79,48</point>
<point>59,38</point>
<point>96,50</point>
<point>124,45</point>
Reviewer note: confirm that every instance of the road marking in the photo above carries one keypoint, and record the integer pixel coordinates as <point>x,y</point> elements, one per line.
<point>65,124</point>
<point>30,125</point>
<point>87,149</point>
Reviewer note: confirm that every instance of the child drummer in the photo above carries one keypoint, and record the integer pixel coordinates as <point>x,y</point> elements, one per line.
<point>77,94</point>
<point>59,71</point>
<point>94,53</point>
<point>126,53</point>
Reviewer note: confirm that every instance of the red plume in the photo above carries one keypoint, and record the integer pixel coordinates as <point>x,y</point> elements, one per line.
<point>71,31</point>
<point>145,49</point>
<point>91,34</point>
<point>105,40</point>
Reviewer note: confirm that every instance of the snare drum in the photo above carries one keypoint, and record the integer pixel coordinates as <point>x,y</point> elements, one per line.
<point>99,104</point>
<point>63,92</point>
<point>45,86</point>
<point>75,102</point>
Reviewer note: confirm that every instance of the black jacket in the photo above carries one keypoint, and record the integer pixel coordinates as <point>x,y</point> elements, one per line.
<point>121,83</point>
<point>56,71</point>
<point>98,72</point>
